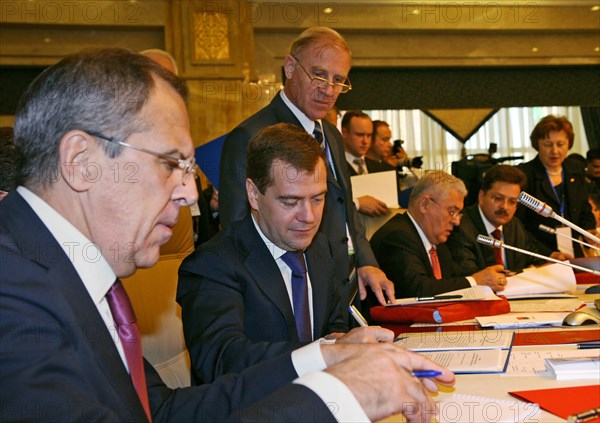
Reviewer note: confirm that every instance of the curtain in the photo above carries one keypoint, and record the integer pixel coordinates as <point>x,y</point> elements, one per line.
<point>591,122</point>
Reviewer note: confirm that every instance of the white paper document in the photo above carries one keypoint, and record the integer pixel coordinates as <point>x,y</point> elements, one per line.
<point>471,408</point>
<point>524,306</point>
<point>553,278</point>
<point>587,367</point>
<point>455,340</point>
<point>381,185</point>
<point>521,320</point>
<point>471,361</point>
<point>530,362</point>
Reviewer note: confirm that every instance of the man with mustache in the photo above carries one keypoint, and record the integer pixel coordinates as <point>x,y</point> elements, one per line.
<point>493,216</point>
<point>411,248</point>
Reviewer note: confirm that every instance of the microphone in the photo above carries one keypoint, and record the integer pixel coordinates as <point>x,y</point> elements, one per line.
<point>495,243</point>
<point>555,232</point>
<point>545,210</point>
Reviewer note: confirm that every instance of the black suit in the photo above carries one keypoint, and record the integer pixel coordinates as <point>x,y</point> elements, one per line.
<point>474,256</point>
<point>373,166</point>
<point>59,361</point>
<point>405,261</point>
<point>577,208</point>
<point>235,307</point>
<point>339,208</point>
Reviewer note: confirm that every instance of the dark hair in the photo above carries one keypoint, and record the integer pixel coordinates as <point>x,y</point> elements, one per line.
<point>351,114</point>
<point>282,142</point>
<point>96,90</point>
<point>504,173</point>
<point>9,165</point>
<point>549,124</point>
<point>593,154</point>
<point>377,124</point>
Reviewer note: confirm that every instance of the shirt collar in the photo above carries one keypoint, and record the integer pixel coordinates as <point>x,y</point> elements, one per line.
<point>488,226</point>
<point>428,245</point>
<point>275,251</point>
<point>307,124</point>
<point>90,265</point>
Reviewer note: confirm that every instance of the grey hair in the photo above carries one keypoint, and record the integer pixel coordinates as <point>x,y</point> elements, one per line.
<point>320,36</point>
<point>436,182</point>
<point>95,90</point>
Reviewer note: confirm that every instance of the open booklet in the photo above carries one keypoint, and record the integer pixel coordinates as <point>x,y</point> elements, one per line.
<point>550,279</point>
<point>463,351</point>
<point>474,293</point>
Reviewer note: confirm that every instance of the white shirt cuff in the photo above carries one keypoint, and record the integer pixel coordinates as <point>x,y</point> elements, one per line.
<point>339,398</point>
<point>308,359</point>
<point>471,280</point>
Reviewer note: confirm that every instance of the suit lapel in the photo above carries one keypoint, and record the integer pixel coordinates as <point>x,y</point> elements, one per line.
<point>423,253</point>
<point>488,252</point>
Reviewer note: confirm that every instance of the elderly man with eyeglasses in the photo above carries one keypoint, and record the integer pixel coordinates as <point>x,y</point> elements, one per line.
<point>493,215</point>
<point>316,71</point>
<point>411,247</point>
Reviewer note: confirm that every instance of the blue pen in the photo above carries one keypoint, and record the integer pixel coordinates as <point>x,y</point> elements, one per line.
<point>426,373</point>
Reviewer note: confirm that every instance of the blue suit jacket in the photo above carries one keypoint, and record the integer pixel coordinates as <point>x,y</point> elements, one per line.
<point>235,308</point>
<point>59,361</point>
<point>339,208</point>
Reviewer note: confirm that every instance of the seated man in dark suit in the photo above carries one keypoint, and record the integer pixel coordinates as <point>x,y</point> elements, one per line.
<point>69,341</point>
<point>357,130</point>
<point>411,247</point>
<point>240,300</point>
<point>492,216</point>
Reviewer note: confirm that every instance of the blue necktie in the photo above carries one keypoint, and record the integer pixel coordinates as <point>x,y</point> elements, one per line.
<point>318,134</point>
<point>295,260</point>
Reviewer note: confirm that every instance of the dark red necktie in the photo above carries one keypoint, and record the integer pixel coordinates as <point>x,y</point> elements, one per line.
<point>497,234</point>
<point>295,260</point>
<point>435,263</point>
<point>125,320</point>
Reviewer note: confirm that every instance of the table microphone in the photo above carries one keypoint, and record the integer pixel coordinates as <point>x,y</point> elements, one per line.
<point>545,210</point>
<point>555,232</point>
<point>495,243</point>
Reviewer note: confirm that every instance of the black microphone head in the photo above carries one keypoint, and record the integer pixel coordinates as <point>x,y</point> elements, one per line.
<point>534,204</point>
<point>490,242</point>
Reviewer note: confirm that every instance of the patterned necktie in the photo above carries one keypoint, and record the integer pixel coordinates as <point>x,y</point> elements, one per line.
<point>318,134</point>
<point>130,337</point>
<point>435,263</point>
<point>295,260</point>
<point>497,234</point>
<point>360,163</point>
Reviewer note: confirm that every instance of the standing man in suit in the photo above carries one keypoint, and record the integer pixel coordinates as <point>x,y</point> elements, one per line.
<point>411,246</point>
<point>316,73</point>
<point>240,300</point>
<point>357,130</point>
<point>492,216</point>
<point>69,343</point>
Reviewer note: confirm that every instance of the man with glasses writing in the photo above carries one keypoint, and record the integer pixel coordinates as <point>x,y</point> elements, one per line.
<point>492,216</point>
<point>411,247</point>
<point>316,71</point>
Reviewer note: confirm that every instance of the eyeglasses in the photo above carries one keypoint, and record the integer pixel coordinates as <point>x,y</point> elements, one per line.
<point>453,212</point>
<point>188,166</point>
<point>499,200</point>
<point>317,81</point>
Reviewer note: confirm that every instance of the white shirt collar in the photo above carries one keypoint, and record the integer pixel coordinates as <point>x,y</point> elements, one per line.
<point>488,226</point>
<point>307,124</point>
<point>91,266</point>
<point>275,251</point>
<point>424,239</point>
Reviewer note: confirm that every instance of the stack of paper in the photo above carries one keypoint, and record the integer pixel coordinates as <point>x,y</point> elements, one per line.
<point>521,320</point>
<point>574,368</point>
<point>551,279</point>
<point>463,352</point>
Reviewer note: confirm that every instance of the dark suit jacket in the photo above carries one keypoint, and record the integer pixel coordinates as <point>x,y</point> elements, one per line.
<point>577,208</point>
<point>405,261</point>
<point>339,207</point>
<point>59,361</point>
<point>373,166</point>
<point>235,307</point>
<point>474,256</point>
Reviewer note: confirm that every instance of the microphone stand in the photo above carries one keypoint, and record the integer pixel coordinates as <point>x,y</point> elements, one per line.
<point>555,232</point>
<point>491,242</point>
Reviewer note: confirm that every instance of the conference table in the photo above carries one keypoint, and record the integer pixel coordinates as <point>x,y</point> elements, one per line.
<point>497,386</point>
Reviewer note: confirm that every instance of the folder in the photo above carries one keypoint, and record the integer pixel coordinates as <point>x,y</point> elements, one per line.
<point>563,402</point>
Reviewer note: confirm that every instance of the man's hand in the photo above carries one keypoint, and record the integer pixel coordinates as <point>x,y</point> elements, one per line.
<point>363,335</point>
<point>492,276</point>
<point>377,281</point>
<point>371,206</point>
<point>559,255</point>
<point>380,378</point>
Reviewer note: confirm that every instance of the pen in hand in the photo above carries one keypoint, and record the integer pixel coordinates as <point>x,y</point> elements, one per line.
<point>426,373</point>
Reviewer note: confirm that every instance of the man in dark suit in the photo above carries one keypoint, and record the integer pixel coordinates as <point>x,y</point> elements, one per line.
<point>237,292</point>
<point>411,246</point>
<point>492,216</point>
<point>69,343</point>
<point>316,73</point>
<point>357,131</point>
